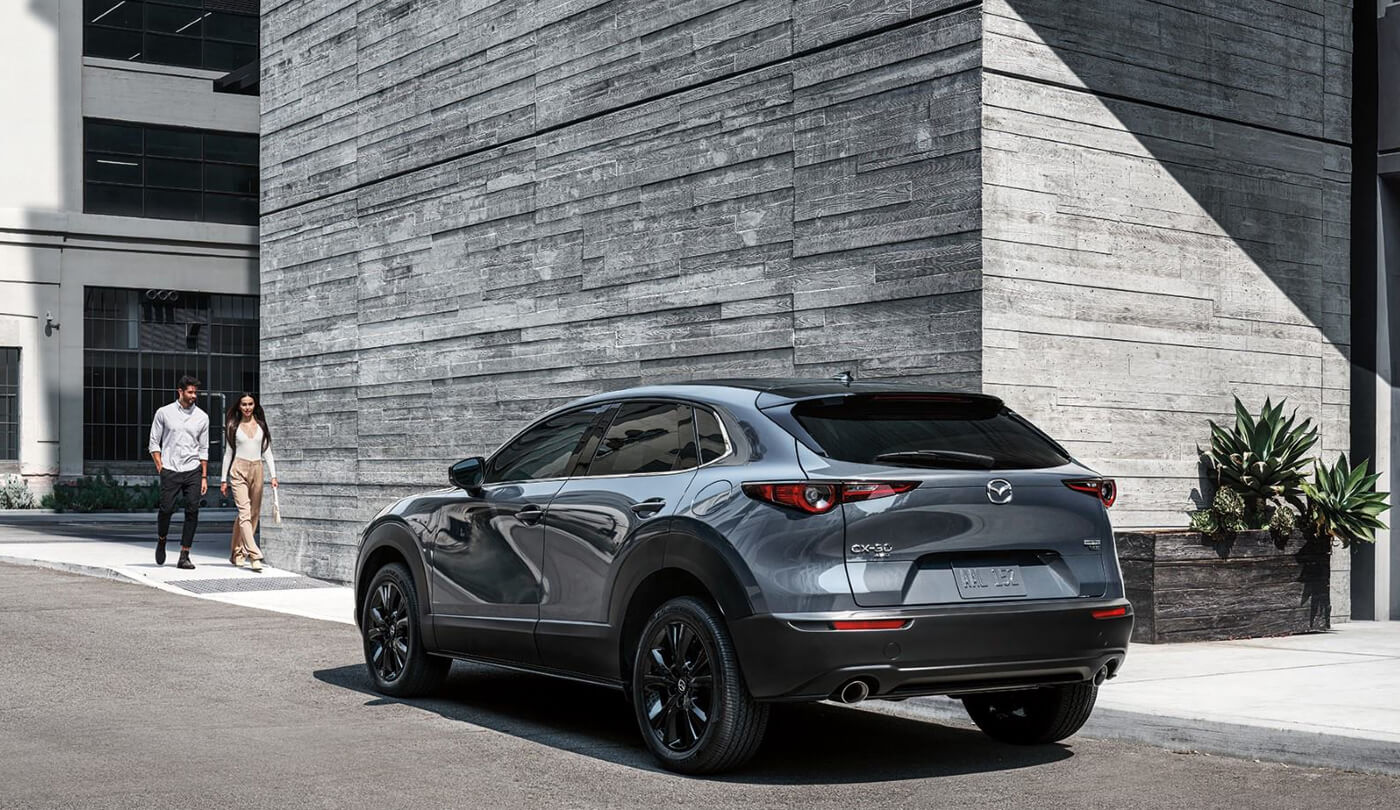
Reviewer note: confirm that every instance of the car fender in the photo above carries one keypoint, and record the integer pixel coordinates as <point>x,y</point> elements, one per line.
<point>392,532</point>
<point>692,547</point>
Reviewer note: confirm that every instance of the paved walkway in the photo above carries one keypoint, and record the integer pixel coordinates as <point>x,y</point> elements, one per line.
<point>1328,699</point>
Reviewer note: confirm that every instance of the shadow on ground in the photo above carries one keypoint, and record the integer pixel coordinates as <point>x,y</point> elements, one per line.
<point>806,743</point>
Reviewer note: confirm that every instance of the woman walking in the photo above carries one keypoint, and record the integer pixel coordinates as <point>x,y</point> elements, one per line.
<point>247,444</point>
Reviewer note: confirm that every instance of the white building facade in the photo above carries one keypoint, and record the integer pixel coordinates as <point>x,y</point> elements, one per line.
<point>128,235</point>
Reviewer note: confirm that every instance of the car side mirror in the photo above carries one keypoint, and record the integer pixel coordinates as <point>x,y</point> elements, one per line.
<point>468,473</point>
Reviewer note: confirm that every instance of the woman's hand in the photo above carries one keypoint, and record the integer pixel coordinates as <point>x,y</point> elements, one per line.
<point>274,483</point>
<point>223,488</point>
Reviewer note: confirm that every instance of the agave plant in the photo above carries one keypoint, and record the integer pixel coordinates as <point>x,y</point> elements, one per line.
<point>1343,503</point>
<point>1263,457</point>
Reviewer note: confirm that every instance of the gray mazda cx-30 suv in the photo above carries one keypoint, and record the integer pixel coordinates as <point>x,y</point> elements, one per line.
<point>712,547</point>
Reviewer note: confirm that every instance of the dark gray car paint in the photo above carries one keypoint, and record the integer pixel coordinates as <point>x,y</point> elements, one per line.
<point>757,559</point>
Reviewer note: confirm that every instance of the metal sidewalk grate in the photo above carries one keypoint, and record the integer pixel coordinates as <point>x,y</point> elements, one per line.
<point>252,582</point>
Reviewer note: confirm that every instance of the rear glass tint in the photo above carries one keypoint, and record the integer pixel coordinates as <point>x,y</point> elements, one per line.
<point>860,428</point>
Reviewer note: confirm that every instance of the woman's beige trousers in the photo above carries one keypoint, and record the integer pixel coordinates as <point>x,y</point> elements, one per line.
<point>245,478</point>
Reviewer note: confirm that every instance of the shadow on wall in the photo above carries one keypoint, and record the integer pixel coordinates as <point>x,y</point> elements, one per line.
<point>1269,159</point>
<point>805,744</point>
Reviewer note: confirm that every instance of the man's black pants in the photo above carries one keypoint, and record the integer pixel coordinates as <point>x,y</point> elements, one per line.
<point>171,485</point>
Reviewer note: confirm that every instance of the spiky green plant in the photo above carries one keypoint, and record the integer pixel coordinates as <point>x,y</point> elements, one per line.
<point>1283,521</point>
<point>1343,503</point>
<point>1263,457</point>
<point>1205,521</point>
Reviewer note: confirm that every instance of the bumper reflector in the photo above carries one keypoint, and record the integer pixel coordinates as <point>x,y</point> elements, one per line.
<point>869,624</point>
<point>1110,613</point>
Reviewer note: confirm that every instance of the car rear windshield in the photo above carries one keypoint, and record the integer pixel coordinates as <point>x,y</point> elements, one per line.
<point>904,430</point>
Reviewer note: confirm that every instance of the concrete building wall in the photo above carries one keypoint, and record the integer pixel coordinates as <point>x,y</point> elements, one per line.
<point>50,250</point>
<point>475,215</point>
<point>1166,215</point>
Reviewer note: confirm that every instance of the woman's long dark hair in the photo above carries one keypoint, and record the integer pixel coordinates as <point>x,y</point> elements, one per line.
<point>235,416</point>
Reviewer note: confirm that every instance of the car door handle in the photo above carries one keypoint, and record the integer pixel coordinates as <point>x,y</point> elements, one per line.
<point>649,507</point>
<point>530,515</point>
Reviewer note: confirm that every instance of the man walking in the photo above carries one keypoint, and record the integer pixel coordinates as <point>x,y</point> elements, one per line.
<point>180,448</point>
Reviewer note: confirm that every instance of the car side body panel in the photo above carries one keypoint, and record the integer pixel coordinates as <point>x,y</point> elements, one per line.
<point>782,577</point>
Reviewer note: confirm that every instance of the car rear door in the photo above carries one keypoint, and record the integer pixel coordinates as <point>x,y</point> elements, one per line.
<point>637,473</point>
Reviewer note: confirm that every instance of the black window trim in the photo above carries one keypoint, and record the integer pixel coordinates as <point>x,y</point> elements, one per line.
<point>573,456</point>
<point>577,466</point>
<point>694,426</point>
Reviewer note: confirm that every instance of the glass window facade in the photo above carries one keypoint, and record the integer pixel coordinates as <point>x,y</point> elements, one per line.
<point>9,403</point>
<point>211,34</point>
<point>144,171</point>
<point>138,343</point>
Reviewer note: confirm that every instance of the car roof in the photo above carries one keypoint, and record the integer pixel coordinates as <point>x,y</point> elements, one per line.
<point>769,392</point>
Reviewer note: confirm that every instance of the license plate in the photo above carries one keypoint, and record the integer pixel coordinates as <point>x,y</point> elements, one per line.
<point>989,581</point>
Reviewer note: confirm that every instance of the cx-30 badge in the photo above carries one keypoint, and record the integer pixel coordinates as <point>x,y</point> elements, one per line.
<point>999,490</point>
<point>873,549</point>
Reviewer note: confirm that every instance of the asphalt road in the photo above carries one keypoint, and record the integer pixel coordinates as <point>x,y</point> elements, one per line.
<point>115,695</point>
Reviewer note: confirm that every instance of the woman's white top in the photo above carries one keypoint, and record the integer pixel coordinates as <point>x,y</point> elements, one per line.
<point>249,448</point>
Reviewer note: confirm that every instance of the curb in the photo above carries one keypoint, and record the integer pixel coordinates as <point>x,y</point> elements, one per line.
<point>1259,743</point>
<point>73,568</point>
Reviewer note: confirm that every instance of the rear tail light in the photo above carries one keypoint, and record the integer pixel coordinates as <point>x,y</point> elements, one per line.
<point>1102,488</point>
<point>1110,613</point>
<point>816,498</point>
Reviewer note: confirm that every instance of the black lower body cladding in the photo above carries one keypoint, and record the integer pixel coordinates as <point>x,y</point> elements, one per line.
<point>937,651</point>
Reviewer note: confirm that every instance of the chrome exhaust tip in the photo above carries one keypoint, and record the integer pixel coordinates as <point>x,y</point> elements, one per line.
<point>854,692</point>
<point>1100,676</point>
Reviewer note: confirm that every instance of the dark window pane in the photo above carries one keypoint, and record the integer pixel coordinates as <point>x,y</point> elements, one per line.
<point>114,169</point>
<point>172,50</point>
<point>234,27</point>
<point>163,204</point>
<point>117,13</point>
<point>104,136</point>
<point>112,43</point>
<point>175,19</point>
<point>543,451</point>
<point>120,200</point>
<point>230,148</point>
<point>228,55</point>
<point>711,436</point>
<point>230,209</point>
<point>172,173</point>
<point>174,143</point>
<point>643,438</point>
<point>860,428</point>
<point>223,177</point>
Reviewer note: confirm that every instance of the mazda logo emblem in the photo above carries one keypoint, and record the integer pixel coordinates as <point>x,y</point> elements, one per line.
<point>999,490</point>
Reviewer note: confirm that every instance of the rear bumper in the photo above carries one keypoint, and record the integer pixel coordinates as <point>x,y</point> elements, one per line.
<point>940,651</point>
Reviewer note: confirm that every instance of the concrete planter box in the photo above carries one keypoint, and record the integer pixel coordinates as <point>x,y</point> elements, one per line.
<point>1185,587</point>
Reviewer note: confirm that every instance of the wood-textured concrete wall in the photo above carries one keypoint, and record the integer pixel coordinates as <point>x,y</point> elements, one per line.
<point>1166,215</point>
<point>474,211</point>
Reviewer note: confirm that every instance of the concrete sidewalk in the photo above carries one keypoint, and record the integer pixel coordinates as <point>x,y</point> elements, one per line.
<point>122,547</point>
<point>1325,699</point>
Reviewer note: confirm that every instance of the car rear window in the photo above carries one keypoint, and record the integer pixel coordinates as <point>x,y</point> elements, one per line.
<point>948,431</point>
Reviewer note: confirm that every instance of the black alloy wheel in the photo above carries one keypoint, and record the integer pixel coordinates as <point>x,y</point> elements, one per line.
<point>386,631</point>
<point>394,653</point>
<point>692,706</point>
<point>678,687</point>
<point>1033,716</point>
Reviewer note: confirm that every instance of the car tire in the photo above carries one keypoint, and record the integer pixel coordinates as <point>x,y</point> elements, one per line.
<point>689,696</point>
<point>1033,716</point>
<point>391,627</point>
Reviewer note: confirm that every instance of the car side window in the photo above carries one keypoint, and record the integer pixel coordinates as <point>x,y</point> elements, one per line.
<point>647,437</point>
<point>711,436</point>
<point>543,451</point>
